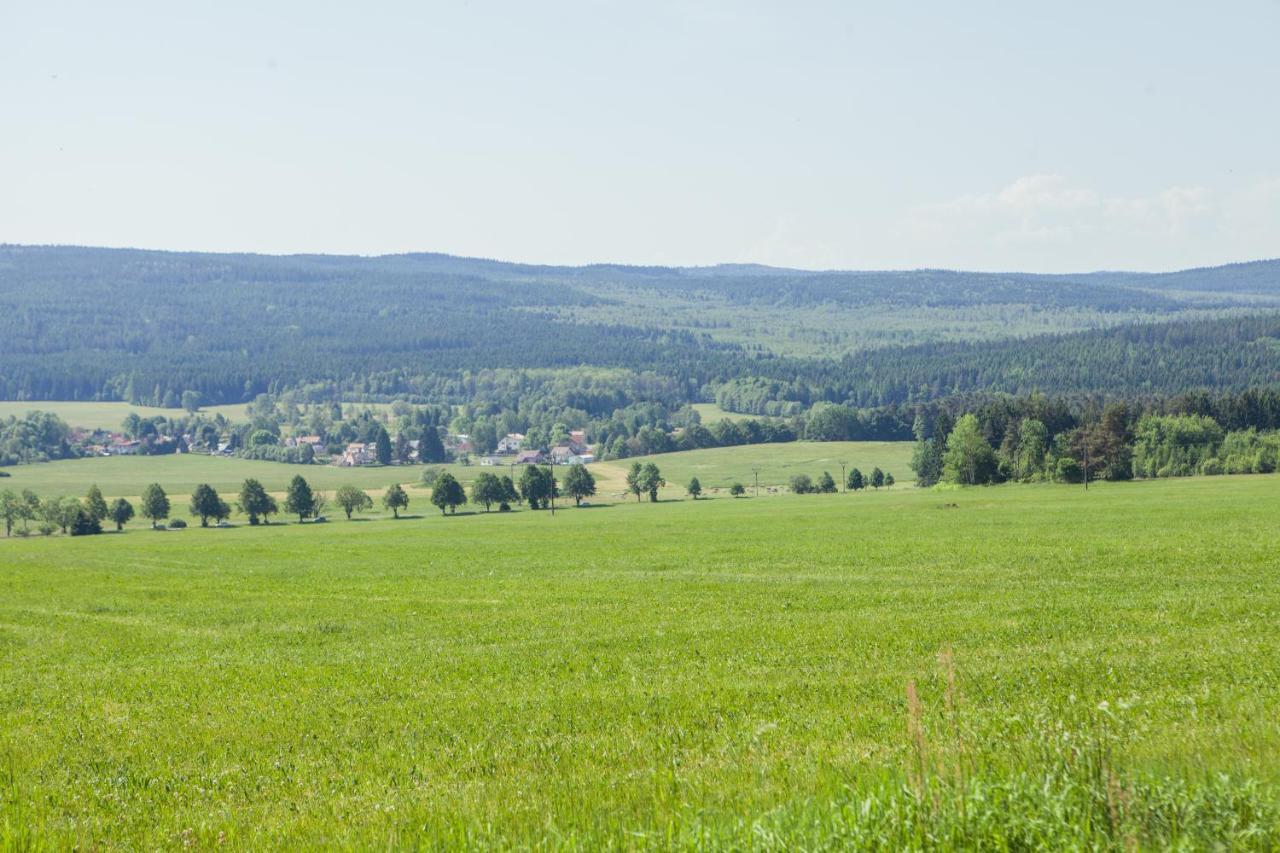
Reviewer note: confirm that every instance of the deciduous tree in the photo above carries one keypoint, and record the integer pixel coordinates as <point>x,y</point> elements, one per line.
<point>255,502</point>
<point>395,499</point>
<point>121,511</point>
<point>579,483</point>
<point>448,493</point>
<point>352,499</point>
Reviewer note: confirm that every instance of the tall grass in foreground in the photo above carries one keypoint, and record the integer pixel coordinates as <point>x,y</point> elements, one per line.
<point>721,675</point>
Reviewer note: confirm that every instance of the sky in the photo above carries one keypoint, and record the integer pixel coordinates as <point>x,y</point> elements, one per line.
<point>1042,137</point>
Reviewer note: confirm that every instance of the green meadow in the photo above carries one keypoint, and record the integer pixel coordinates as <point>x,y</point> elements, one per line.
<point>1021,667</point>
<point>127,476</point>
<point>108,415</point>
<point>721,467</point>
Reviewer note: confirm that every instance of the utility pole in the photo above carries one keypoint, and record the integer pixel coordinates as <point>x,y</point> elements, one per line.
<point>552,471</point>
<point>1086,463</point>
<point>843,481</point>
<point>756,473</point>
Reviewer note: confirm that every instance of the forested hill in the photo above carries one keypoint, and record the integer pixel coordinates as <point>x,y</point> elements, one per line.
<point>82,323</point>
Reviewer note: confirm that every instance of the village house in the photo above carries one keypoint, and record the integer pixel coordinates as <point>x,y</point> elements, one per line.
<point>530,457</point>
<point>358,453</point>
<point>511,443</point>
<point>317,444</point>
<point>120,446</point>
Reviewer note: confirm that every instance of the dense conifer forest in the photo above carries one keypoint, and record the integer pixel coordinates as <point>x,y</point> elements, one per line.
<point>146,327</point>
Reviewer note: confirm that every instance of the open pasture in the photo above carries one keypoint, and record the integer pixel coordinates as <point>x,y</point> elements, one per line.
<point>1027,666</point>
<point>720,467</point>
<point>108,415</point>
<point>127,476</point>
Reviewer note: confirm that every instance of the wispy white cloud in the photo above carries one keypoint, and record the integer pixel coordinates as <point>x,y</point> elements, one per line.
<point>1048,222</point>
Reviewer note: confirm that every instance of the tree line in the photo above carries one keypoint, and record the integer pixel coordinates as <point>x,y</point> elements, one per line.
<point>536,487</point>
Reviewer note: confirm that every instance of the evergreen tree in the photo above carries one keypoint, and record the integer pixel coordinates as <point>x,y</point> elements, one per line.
<point>299,500</point>
<point>856,481</point>
<point>877,478</point>
<point>430,447</point>
<point>382,447</point>
<point>84,523</point>
<point>155,504</point>
<point>826,483</point>
<point>510,494</point>
<point>889,481</point>
<point>95,503</point>
<point>402,449</point>
<point>694,488</point>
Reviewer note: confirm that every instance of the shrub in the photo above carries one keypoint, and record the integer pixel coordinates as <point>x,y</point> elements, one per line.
<point>85,524</point>
<point>1069,471</point>
<point>802,484</point>
<point>177,524</point>
<point>737,490</point>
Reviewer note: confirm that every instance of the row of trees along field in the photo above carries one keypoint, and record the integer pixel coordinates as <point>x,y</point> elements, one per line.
<point>536,487</point>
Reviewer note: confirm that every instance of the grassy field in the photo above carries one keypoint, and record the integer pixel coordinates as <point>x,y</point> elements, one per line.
<point>127,476</point>
<point>1014,667</point>
<point>710,413</point>
<point>107,415</point>
<point>720,467</point>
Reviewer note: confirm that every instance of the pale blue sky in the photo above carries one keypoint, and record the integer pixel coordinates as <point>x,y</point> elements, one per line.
<point>1054,137</point>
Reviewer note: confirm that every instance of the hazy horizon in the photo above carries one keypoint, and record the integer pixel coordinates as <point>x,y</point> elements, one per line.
<point>817,136</point>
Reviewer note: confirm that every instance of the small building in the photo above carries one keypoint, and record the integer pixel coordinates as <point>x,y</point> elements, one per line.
<point>358,453</point>
<point>511,442</point>
<point>492,461</point>
<point>530,457</point>
<point>561,453</point>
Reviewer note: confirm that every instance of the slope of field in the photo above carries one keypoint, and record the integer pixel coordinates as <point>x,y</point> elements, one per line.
<point>127,476</point>
<point>721,467</point>
<point>710,413</point>
<point>1092,670</point>
<point>108,415</point>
